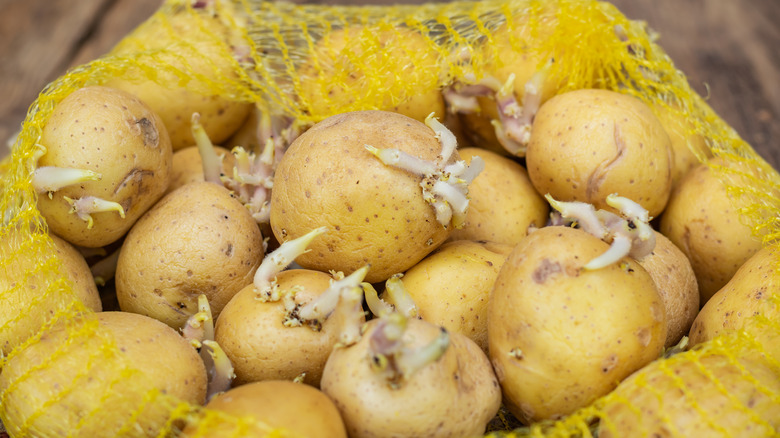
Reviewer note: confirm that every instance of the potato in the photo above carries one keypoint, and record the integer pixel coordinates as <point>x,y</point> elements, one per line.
<point>376,213</point>
<point>208,46</point>
<point>253,333</point>
<point>702,220</point>
<point>454,395</point>
<point>561,336</point>
<point>196,240</point>
<point>187,166</point>
<point>452,285</point>
<point>710,395</point>
<point>676,282</point>
<point>116,136</point>
<point>288,407</point>
<point>748,294</point>
<point>335,75</point>
<point>111,374</point>
<point>689,146</point>
<point>30,295</point>
<point>590,143</point>
<point>504,204</point>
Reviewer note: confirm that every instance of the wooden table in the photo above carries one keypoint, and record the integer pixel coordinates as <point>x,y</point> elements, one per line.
<point>727,48</point>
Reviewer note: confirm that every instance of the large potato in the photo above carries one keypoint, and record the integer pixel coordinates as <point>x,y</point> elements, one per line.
<point>376,213</point>
<point>116,135</point>
<point>704,222</point>
<point>196,240</point>
<point>114,374</point>
<point>752,293</point>
<point>345,64</point>
<point>30,296</point>
<point>560,336</point>
<point>200,48</point>
<point>590,143</point>
<point>710,395</point>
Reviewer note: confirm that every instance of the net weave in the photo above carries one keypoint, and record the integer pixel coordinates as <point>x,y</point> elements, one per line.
<point>287,67</point>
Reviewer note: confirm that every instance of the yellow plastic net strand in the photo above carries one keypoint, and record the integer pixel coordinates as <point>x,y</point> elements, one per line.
<point>305,63</point>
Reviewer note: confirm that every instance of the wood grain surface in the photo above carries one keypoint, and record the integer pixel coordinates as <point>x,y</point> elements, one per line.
<point>727,48</point>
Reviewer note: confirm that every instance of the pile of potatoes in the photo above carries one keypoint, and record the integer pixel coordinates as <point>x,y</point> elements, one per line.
<point>381,273</point>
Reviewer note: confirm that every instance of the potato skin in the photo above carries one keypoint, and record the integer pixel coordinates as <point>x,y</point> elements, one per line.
<point>375,213</point>
<point>587,144</point>
<point>206,36</point>
<point>749,293</point>
<point>331,80</point>
<point>676,282</point>
<point>296,408</point>
<point>504,204</point>
<point>451,286</point>
<point>187,166</point>
<point>560,337</point>
<point>196,240</point>
<point>703,222</point>
<point>454,396</point>
<point>711,395</point>
<point>26,307</point>
<point>115,134</point>
<point>258,344</point>
<point>84,387</point>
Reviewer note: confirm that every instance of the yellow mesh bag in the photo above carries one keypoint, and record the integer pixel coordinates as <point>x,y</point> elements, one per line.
<point>286,66</point>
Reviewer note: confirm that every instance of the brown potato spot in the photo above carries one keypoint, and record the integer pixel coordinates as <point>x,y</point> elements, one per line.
<point>545,269</point>
<point>149,131</point>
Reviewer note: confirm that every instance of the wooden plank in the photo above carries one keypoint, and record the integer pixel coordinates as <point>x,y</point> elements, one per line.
<point>728,50</point>
<point>37,38</point>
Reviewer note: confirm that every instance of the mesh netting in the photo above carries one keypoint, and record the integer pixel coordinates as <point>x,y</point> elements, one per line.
<point>305,63</point>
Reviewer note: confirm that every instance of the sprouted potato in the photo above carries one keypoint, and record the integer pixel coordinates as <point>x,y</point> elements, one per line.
<point>561,335</point>
<point>105,160</point>
<point>408,377</point>
<point>590,143</point>
<point>376,179</point>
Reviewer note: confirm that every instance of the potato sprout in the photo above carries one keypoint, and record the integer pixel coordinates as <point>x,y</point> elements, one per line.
<point>629,233</point>
<point>444,186</point>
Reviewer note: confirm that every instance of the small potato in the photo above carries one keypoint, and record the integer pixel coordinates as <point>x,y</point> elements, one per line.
<point>676,282</point>
<point>504,204</point>
<point>590,143</point>
<point>454,395</point>
<point>376,213</point>
<point>30,297</point>
<point>748,294</point>
<point>115,135</point>
<point>112,374</point>
<point>451,287</point>
<point>254,336</point>
<point>561,336</point>
<point>710,395</point>
<point>704,222</point>
<point>334,78</point>
<point>281,405</point>
<point>196,240</point>
<point>197,45</point>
